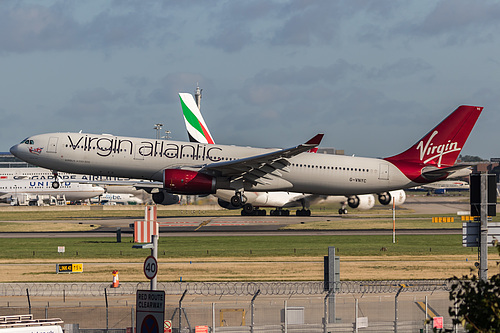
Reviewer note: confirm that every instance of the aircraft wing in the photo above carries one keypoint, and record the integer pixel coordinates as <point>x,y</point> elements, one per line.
<point>259,168</point>
<point>139,185</point>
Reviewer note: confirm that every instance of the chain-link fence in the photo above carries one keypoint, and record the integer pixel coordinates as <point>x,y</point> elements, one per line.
<point>357,306</point>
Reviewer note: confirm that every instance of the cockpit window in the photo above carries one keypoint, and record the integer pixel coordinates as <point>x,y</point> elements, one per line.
<point>28,141</point>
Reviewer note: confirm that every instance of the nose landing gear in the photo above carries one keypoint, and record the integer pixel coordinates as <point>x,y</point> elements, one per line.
<point>55,183</point>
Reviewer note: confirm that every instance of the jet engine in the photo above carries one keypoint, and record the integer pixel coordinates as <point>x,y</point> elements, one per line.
<point>363,201</point>
<point>399,196</point>
<point>165,198</point>
<point>188,182</point>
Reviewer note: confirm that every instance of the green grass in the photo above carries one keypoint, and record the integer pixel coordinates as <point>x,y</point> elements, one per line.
<point>198,248</point>
<point>47,215</point>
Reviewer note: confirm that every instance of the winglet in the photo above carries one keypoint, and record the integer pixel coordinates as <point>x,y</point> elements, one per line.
<point>316,140</point>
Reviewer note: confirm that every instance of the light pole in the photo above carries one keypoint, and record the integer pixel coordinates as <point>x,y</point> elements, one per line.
<point>167,135</point>
<point>158,127</point>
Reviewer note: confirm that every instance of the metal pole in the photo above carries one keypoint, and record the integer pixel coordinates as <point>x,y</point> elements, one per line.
<point>29,302</point>
<point>426,312</point>
<point>483,261</point>
<point>401,286</point>
<point>325,319</point>
<point>252,308</point>
<point>154,253</point>
<point>213,317</point>
<point>455,326</point>
<point>286,319</point>
<point>180,309</point>
<point>132,312</point>
<point>356,315</point>
<point>393,221</point>
<point>107,317</point>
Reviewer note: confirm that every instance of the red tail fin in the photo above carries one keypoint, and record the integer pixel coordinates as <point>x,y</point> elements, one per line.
<point>442,145</point>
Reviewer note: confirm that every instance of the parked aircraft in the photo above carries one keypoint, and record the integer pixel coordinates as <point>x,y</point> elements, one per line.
<point>117,199</point>
<point>198,132</point>
<point>443,186</point>
<point>37,173</point>
<point>113,185</point>
<point>27,191</point>
<point>189,168</point>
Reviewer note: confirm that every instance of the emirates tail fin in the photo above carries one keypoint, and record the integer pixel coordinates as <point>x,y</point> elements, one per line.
<point>195,124</point>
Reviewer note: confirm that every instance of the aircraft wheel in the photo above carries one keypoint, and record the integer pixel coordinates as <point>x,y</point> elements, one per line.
<point>261,212</point>
<point>286,213</point>
<point>55,184</point>
<point>272,212</point>
<point>342,211</point>
<point>236,201</point>
<point>307,213</point>
<point>248,208</point>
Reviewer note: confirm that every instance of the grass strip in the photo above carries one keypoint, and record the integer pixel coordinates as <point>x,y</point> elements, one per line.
<point>234,246</point>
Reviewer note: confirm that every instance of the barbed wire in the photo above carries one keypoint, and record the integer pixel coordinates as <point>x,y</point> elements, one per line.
<point>222,288</point>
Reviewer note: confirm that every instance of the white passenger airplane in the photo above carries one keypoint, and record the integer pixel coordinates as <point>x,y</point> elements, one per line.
<point>443,186</point>
<point>112,185</point>
<point>24,191</point>
<point>188,168</point>
<point>198,132</point>
<point>117,199</point>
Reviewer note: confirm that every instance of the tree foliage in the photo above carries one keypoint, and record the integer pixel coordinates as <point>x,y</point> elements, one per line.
<point>469,158</point>
<point>476,303</point>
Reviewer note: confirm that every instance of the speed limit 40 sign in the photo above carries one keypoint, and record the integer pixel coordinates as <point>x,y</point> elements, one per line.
<point>150,267</point>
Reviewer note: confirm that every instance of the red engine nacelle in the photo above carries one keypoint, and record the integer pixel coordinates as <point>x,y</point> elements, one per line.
<point>188,182</point>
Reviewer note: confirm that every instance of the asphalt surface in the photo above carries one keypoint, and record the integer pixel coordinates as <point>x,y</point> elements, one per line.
<point>258,225</point>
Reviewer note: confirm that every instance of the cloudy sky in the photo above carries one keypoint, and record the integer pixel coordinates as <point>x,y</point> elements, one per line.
<point>374,76</point>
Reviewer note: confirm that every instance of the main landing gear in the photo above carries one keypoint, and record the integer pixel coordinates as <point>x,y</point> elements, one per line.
<point>304,211</point>
<point>55,183</point>
<point>280,212</point>
<point>250,210</point>
<point>238,199</point>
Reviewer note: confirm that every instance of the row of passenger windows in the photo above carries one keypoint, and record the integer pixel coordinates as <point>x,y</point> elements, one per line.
<point>293,164</point>
<point>329,167</point>
<point>94,148</point>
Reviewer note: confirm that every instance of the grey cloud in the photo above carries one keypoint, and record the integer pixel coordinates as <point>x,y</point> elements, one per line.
<point>401,68</point>
<point>170,86</point>
<point>237,22</point>
<point>308,22</point>
<point>456,22</point>
<point>229,38</point>
<point>309,74</point>
<point>275,85</point>
<point>28,27</point>
<point>25,28</point>
<point>96,95</point>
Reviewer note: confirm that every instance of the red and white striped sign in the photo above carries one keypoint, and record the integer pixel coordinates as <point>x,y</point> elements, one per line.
<point>143,230</point>
<point>150,213</point>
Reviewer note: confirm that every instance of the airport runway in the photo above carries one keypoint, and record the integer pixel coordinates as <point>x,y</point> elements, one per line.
<point>256,226</point>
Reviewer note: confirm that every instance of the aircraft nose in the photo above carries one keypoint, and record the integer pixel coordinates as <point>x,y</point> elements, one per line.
<point>14,150</point>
